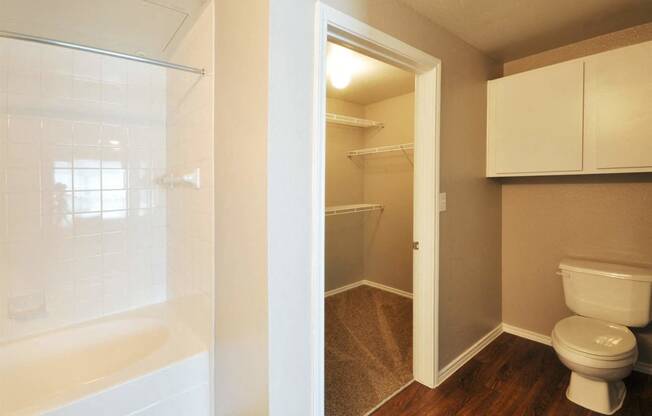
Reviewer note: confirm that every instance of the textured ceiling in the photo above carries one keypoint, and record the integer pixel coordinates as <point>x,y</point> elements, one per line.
<point>143,27</point>
<point>374,81</point>
<point>512,29</point>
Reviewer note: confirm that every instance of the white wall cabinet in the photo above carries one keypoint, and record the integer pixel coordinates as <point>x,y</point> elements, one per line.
<point>586,116</point>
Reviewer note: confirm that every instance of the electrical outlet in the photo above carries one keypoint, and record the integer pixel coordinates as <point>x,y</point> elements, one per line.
<point>442,202</point>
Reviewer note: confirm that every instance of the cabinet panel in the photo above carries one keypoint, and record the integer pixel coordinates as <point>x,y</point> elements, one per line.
<point>619,107</point>
<point>535,121</point>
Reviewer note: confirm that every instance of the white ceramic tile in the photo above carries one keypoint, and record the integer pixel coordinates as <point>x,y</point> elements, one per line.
<point>26,83</point>
<point>88,201</point>
<point>21,204</point>
<point>88,224</point>
<point>114,93</point>
<point>88,179</point>
<point>139,199</point>
<point>86,90</point>
<point>24,129</point>
<point>57,60</point>
<point>114,221</point>
<point>87,134</point>
<point>55,156</point>
<point>87,65</point>
<point>56,179</point>
<point>114,135</point>
<point>114,179</point>
<point>57,131</point>
<point>55,85</point>
<point>140,158</point>
<point>115,242</point>
<point>140,178</point>
<point>3,80</point>
<point>114,158</point>
<point>4,52</point>
<point>87,157</point>
<point>23,154</point>
<point>24,56</point>
<point>72,171</point>
<point>59,226</point>
<point>114,200</point>
<point>138,74</point>
<point>86,268</point>
<point>89,246</point>
<point>55,202</point>
<point>114,71</point>
<point>115,263</point>
<point>24,228</point>
<point>22,179</point>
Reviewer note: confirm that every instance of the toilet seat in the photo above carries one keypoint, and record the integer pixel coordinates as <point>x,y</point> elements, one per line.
<point>594,343</point>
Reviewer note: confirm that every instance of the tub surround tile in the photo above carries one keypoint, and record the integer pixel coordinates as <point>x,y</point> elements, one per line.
<point>79,134</point>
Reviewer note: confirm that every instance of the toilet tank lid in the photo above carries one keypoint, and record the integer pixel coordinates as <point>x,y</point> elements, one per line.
<point>618,271</point>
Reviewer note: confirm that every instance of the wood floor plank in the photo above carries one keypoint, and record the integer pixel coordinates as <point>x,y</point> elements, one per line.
<point>511,376</point>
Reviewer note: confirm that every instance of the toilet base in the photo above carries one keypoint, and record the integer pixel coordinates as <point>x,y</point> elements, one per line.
<point>596,395</point>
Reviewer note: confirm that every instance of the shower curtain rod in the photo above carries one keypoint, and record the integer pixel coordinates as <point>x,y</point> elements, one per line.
<point>46,41</point>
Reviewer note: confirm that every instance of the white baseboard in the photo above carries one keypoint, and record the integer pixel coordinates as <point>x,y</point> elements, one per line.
<point>463,358</point>
<point>641,367</point>
<point>388,289</point>
<point>371,284</point>
<point>527,334</point>
<point>344,288</point>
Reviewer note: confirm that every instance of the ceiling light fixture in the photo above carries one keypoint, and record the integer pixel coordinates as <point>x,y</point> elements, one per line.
<point>342,65</point>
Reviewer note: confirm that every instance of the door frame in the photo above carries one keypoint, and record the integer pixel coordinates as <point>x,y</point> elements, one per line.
<point>336,26</point>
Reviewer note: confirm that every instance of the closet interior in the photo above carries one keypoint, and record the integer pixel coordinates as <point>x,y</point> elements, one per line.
<point>368,231</point>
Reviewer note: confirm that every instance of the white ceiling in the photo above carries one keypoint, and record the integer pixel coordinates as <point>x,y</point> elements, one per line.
<point>373,81</point>
<point>143,27</point>
<point>511,29</point>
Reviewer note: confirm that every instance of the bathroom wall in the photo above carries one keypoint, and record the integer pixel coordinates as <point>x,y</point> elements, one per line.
<point>469,298</point>
<point>82,138</point>
<point>190,248</point>
<point>604,217</point>
<point>263,113</point>
<point>344,244</point>
<point>388,180</point>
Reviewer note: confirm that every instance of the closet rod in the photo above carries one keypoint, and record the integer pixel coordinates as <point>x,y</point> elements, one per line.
<point>47,41</point>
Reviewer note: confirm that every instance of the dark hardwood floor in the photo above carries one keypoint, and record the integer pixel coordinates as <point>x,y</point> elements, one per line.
<point>511,376</point>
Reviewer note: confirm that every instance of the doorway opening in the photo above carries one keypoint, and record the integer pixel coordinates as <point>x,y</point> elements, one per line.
<point>375,222</point>
<point>368,231</point>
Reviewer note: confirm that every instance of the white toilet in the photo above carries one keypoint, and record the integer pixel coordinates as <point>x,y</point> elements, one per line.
<point>597,346</point>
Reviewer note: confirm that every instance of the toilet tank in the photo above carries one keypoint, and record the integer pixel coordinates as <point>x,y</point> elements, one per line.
<point>610,292</point>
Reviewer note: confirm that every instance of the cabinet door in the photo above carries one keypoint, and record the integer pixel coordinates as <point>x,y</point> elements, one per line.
<point>534,122</point>
<point>619,107</point>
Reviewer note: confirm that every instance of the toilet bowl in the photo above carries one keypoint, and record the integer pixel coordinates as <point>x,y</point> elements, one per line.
<point>596,344</point>
<point>599,354</point>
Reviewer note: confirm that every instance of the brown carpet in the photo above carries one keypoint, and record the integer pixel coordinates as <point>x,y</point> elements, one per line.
<point>368,349</point>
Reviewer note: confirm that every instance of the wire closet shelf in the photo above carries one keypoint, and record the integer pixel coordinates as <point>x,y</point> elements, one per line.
<point>352,121</point>
<point>352,209</point>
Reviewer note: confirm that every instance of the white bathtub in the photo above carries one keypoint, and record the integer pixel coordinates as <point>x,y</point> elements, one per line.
<point>143,362</point>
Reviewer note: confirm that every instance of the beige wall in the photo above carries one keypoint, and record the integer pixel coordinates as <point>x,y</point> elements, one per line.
<point>388,181</point>
<point>470,229</point>
<point>587,47</point>
<point>263,111</point>
<point>544,219</point>
<point>344,262</point>
<point>241,282</point>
